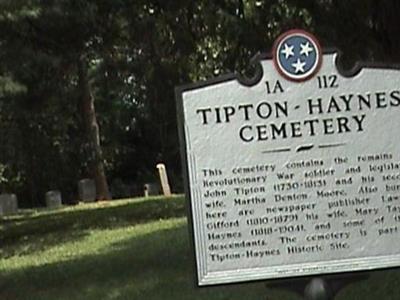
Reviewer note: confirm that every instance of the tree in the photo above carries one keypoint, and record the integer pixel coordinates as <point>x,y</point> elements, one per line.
<point>91,83</point>
<point>78,34</point>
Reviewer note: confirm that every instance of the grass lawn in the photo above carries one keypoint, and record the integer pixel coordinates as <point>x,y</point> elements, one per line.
<point>128,249</point>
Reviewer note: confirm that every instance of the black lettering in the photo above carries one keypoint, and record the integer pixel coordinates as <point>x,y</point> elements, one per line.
<point>366,101</point>
<point>359,120</point>
<point>311,124</point>
<point>264,113</point>
<point>347,100</point>
<point>325,82</point>
<point>277,87</point>
<point>333,81</point>
<point>262,132</point>
<point>328,126</point>
<point>312,106</point>
<point>229,111</point>
<point>281,131</point>
<point>204,112</point>
<point>296,129</point>
<point>343,124</point>
<point>381,100</point>
<point>217,115</point>
<point>283,108</point>
<point>247,139</point>
<point>333,106</point>
<point>245,108</point>
<point>395,95</point>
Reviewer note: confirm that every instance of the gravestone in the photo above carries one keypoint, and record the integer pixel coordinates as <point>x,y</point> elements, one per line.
<point>295,172</point>
<point>151,189</point>
<point>87,190</point>
<point>164,180</point>
<point>53,199</point>
<point>9,203</point>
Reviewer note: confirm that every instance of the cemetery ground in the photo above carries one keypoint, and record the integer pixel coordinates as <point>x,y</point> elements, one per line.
<point>125,249</point>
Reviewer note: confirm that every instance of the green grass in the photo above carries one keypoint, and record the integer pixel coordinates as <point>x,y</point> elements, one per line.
<point>128,249</point>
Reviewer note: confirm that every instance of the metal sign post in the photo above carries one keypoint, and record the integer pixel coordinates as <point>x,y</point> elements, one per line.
<point>319,288</point>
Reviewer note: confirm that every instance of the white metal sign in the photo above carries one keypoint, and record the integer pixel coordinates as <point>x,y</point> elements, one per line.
<point>296,174</point>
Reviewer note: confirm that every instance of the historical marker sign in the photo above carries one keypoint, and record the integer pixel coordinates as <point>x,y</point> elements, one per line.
<point>296,174</point>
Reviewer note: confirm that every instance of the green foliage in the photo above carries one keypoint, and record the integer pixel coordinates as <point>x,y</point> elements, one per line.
<point>9,87</point>
<point>2,177</point>
<point>130,249</point>
<point>38,223</point>
<point>138,52</point>
<point>135,249</point>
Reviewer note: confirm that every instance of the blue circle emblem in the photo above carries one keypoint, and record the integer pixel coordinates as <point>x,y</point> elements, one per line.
<point>297,55</point>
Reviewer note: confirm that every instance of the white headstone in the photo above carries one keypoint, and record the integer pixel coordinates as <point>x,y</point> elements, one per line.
<point>164,180</point>
<point>87,190</point>
<point>151,189</point>
<point>53,199</point>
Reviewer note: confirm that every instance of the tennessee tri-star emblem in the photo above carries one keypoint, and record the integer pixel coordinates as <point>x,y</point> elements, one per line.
<point>297,55</point>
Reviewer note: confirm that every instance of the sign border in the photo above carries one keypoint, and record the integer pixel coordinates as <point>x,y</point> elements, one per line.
<point>249,82</point>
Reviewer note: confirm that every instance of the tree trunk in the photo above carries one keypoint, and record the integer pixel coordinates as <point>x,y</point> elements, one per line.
<point>92,131</point>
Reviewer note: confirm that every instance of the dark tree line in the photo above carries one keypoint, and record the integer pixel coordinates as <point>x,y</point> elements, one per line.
<point>87,87</point>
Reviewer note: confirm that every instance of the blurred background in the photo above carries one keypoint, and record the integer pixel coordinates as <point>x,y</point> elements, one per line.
<point>87,87</point>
